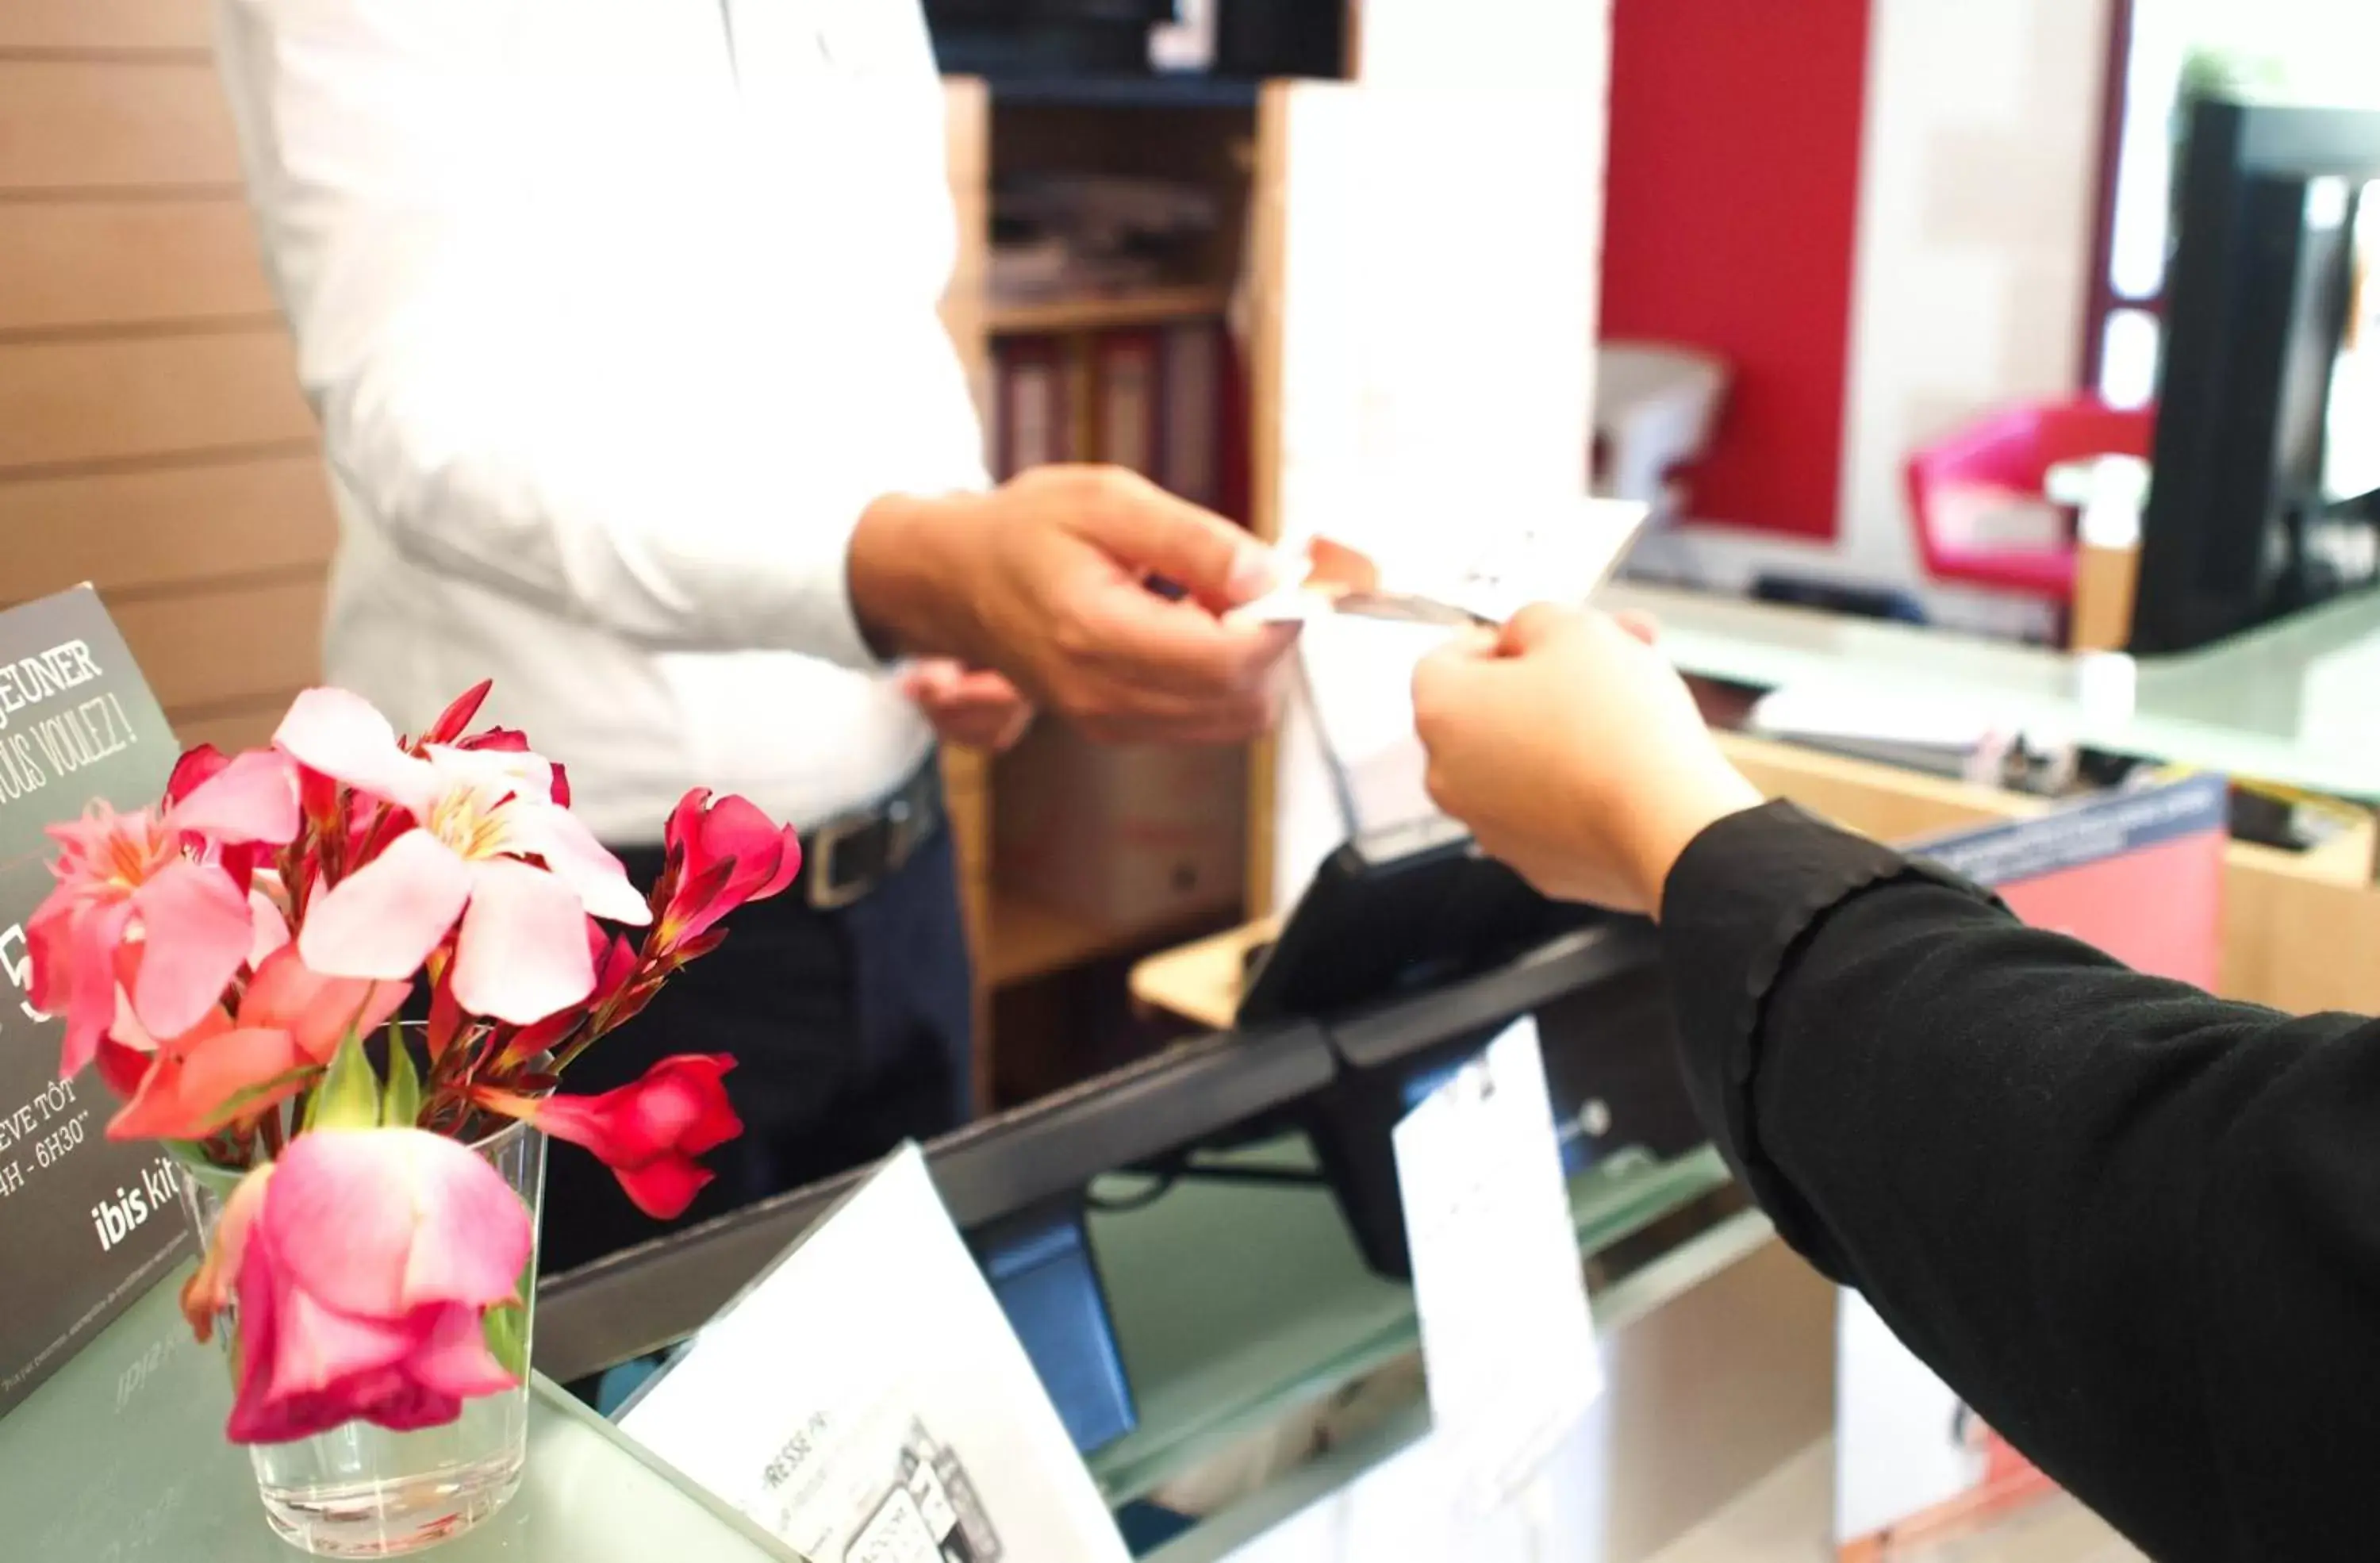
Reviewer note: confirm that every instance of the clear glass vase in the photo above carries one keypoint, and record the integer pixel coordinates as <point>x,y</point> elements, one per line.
<point>361,1491</point>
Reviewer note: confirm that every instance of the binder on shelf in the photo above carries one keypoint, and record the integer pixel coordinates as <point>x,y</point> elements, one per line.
<point>1032,410</point>
<point>1190,452</point>
<point>1125,387</point>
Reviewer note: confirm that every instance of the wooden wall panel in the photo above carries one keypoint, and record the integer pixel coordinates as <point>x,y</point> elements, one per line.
<point>96,401</point>
<point>141,533</point>
<point>227,648</point>
<point>113,264</point>
<point>105,24</point>
<point>153,439</point>
<point>83,123</point>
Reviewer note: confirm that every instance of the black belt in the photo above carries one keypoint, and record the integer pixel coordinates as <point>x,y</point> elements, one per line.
<point>848,856</point>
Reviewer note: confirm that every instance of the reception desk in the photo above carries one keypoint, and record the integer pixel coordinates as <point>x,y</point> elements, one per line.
<point>1268,1360</point>
<point>1238,1304</point>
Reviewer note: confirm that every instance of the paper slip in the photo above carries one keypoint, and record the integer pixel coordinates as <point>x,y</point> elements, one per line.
<point>867,1402</point>
<point>1506,1335</point>
<point>1564,559</point>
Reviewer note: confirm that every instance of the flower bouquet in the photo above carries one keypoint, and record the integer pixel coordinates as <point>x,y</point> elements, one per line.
<point>236,961</point>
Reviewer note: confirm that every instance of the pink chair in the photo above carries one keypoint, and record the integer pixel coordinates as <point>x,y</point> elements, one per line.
<point>2010,454</point>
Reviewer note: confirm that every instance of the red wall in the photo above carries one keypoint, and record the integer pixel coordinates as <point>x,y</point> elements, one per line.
<point>1730,218</point>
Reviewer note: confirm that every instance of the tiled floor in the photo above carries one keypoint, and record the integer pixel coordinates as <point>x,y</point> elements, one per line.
<point>1785,1520</point>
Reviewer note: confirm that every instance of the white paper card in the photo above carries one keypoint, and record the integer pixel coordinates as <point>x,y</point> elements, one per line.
<point>1505,1332</point>
<point>1358,683</point>
<point>866,1402</point>
<point>1563,555</point>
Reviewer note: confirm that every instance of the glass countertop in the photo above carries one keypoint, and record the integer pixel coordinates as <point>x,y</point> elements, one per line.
<point>121,1457</point>
<point>1213,1358</point>
<point>2295,702</point>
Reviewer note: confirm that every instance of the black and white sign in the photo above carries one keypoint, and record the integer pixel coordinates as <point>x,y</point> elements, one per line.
<point>86,1224</point>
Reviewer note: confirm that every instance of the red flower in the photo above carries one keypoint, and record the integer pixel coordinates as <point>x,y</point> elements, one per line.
<point>363,1262</point>
<point>452,722</point>
<point>648,1132</point>
<point>719,857</point>
<point>195,770</point>
<point>511,741</point>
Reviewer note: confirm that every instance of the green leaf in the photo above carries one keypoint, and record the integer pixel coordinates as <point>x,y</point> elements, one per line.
<point>349,1094</point>
<point>506,1328</point>
<point>241,1101</point>
<point>507,1324</point>
<point>219,1180</point>
<point>192,1155</point>
<point>401,1105</point>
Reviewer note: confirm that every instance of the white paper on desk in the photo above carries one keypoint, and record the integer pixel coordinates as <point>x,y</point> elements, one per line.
<point>1506,1335</point>
<point>1357,678</point>
<point>866,1402</point>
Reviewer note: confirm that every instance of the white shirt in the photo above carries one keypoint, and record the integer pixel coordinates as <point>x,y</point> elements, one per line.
<point>616,314</point>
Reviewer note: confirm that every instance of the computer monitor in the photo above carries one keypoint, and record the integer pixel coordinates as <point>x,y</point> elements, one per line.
<point>1006,38</point>
<point>2244,521</point>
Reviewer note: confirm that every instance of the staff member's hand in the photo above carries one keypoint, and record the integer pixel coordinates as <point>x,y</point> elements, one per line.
<point>1574,754</point>
<point>968,706</point>
<point>1044,579</point>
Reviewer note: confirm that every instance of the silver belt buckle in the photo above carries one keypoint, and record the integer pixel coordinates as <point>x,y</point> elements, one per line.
<point>899,815</point>
<point>825,894</point>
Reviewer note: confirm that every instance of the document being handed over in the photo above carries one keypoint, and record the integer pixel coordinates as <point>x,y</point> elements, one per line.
<point>1565,558</point>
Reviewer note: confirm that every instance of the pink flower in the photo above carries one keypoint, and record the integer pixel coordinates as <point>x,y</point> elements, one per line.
<point>648,1132</point>
<point>233,1067</point>
<point>615,964</point>
<point>721,855</point>
<point>490,848</point>
<point>159,880</point>
<point>247,801</point>
<point>362,1278</point>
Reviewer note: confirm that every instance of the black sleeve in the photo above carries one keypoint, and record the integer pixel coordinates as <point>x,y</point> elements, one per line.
<point>2136,1228</point>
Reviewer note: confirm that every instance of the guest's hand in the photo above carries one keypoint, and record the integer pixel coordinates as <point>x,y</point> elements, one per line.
<point>968,706</point>
<point>1045,580</point>
<point>1574,753</point>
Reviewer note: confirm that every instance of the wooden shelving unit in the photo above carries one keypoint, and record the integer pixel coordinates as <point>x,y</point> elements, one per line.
<point>1025,940</point>
<point>1028,952</point>
<point>1103,311</point>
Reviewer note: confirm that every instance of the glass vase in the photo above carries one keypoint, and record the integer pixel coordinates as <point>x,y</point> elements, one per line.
<point>361,1491</point>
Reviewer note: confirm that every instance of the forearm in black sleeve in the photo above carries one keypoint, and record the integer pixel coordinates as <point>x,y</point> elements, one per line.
<point>2136,1228</point>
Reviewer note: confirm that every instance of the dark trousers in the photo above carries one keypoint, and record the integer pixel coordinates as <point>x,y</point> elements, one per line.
<point>850,1034</point>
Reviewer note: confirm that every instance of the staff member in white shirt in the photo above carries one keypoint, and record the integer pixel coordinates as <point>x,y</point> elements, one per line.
<point>620,319</point>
